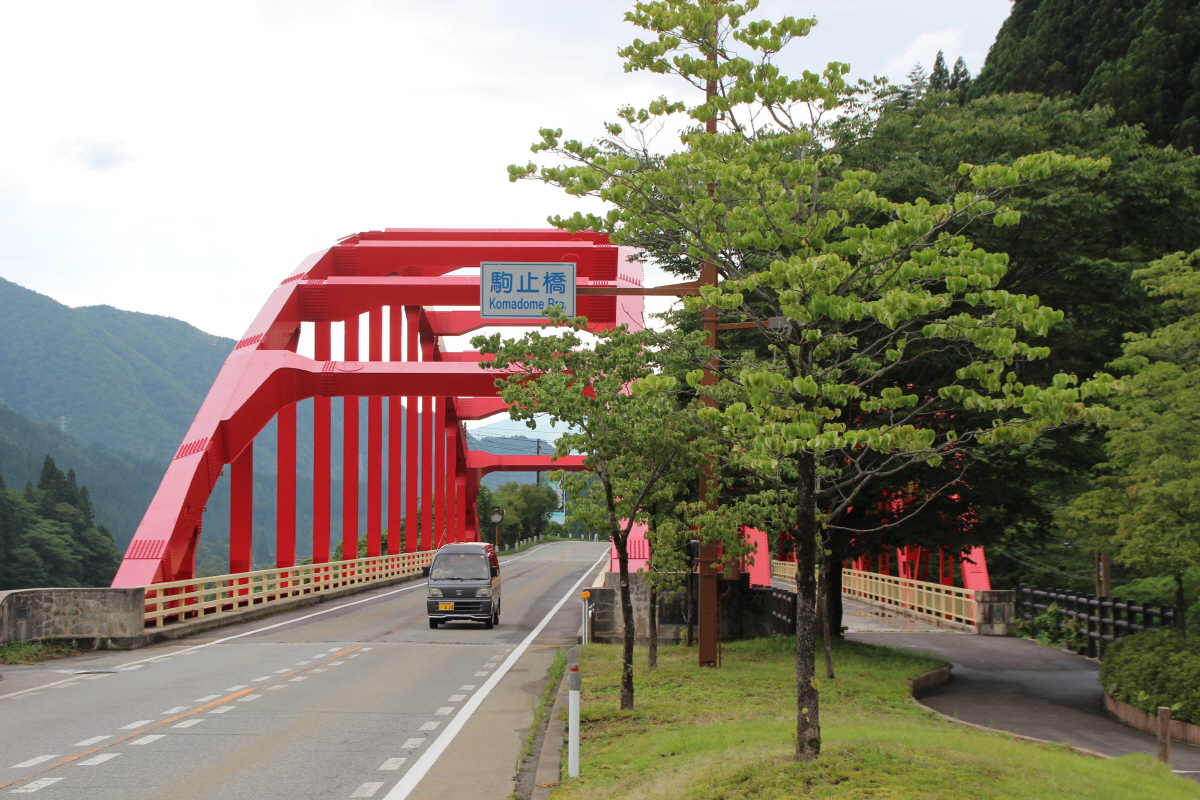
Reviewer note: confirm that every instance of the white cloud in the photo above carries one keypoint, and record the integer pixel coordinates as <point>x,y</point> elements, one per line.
<point>94,156</point>
<point>923,50</point>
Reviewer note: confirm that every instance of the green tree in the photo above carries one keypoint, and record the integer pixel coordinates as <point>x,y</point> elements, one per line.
<point>844,308</point>
<point>1141,57</point>
<point>1147,506</point>
<point>527,508</point>
<point>635,442</point>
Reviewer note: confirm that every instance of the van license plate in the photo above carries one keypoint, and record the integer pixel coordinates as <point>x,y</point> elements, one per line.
<point>445,606</point>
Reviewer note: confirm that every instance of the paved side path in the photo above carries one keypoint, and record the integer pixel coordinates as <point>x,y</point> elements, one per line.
<point>1019,686</point>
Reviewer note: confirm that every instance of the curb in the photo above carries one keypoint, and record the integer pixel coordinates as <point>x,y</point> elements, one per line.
<point>549,769</point>
<point>934,678</point>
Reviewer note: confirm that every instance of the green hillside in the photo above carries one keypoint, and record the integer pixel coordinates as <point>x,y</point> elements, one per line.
<point>1142,57</point>
<point>130,381</point>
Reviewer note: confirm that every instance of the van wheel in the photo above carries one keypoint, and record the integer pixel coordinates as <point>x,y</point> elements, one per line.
<point>433,623</point>
<point>489,623</point>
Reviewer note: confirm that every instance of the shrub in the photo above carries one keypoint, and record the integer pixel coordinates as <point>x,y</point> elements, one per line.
<point>1155,668</point>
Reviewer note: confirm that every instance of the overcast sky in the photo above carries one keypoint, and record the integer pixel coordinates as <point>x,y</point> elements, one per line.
<point>182,158</point>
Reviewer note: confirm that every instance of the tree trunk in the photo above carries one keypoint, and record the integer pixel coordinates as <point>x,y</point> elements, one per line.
<point>1180,605</point>
<point>652,657</point>
<point>826,637</point>
<point>808,720</point>
<point>691,611</point>
<point>627,619</point>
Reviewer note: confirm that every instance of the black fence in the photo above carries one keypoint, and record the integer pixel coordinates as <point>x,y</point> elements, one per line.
<point>1086,622</point>
<point>783,612</point>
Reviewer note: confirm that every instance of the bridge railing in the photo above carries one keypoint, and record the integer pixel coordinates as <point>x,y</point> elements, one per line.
<point>223,594</point>
<point>932,601</point>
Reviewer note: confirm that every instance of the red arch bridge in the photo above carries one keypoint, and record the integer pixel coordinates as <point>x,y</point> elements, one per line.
<point>400,293</point>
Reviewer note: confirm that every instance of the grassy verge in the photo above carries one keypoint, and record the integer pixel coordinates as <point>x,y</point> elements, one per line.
<point>33,652</point>
<point>728,733</point>
<point>542,702</point>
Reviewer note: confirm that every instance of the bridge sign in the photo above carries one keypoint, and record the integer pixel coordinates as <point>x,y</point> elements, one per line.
<point>523,290</point>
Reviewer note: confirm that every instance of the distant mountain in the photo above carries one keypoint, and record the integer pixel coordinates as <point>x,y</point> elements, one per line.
<point>130,381</point>
<point>507,444</point>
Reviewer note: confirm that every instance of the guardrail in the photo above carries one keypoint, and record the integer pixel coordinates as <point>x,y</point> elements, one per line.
<point>223,594</point>
<point>944,605</point>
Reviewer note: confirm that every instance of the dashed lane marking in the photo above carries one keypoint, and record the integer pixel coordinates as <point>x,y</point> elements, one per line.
<point>260,680</point>
<point>137,724</point>
<point>393,763</point>
<point>468,688</point>
<point>299,678</point>
<point>368,789</point>
<point>444,711</point>
<point>91,741</point>
<point>237,688</point>
<point>208,697</point>
<point>41,783</point>
<point>100,759</point>
<point>281,671</point>
<point>412,744</point>
<point>222,709</point>
<point>482,674</point>
<point>249,697</point>
<point>187,723</point>
<point>33,762</point>
<point>154,737</point>
<point>175,710</point>
<point>429,726</point>
<point>456,698</point>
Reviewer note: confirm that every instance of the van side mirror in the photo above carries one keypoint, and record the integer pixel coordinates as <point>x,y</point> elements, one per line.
<point>425,571</point>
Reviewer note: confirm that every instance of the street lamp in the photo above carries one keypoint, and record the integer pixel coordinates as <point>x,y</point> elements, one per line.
<point>498,517</point>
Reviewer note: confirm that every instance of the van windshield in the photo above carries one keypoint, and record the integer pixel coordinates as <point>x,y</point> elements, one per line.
<point>460,566</point>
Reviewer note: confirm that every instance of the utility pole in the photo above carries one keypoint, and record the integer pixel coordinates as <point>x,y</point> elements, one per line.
<point>539,452</point>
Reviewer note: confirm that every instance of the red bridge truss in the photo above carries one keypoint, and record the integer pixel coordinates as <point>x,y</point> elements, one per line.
<point>390,286</point>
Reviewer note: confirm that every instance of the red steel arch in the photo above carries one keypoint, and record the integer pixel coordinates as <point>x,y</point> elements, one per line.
<point>422,385</point>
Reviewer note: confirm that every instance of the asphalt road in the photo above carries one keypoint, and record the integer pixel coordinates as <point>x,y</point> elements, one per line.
<point>355,698</point>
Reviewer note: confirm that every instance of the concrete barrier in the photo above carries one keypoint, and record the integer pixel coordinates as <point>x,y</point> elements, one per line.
<point>89,618</point>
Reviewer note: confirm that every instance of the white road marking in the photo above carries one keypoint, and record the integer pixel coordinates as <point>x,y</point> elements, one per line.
<point>222,709</point>
<point>335,663</point>
<point>489,665</point>
<point>367,789</point>
<point>353,655</point>
<point>406,784</point>
<point>470,687</point>
<point>456,698</point>
<point>319,669</point>
<point>175,710</point>
<point>302,663</point>
<point>237,688</point>
<point>282,671</point>
<point>187,723</point>
<point>248,698</point>
<point>100,759</point>
<point>194,648</point>
<point>206,698</point>
<point>91,741</point>
<point>445,711</point>
<point>154,737</point>
<point>95,677</point>
<point>66,685</point>
<point>430,726</point>
<point>33,762</point>
<point>394,763</point>
<point>365,649</point>
<point>41,783</point>
<point>274,688</point>
<point>127,669</point>
<point>263,678</point>
<point>298,678</point>
<point>137,724</point>
<point>409,744</point>
<point>482,674</point>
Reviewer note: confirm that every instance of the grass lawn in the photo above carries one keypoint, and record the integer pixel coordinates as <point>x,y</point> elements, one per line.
<point>728,733</point>
<point>33,652</point>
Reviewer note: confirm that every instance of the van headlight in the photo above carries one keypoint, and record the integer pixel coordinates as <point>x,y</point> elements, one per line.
<point>486,591</point>
<point>435,592</point>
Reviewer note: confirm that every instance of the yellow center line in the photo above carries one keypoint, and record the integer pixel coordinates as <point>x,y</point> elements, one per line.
<point>199,709</point>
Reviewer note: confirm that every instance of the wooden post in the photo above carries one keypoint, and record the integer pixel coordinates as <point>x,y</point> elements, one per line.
<point>1164,735</point>
<point>1103,573</point>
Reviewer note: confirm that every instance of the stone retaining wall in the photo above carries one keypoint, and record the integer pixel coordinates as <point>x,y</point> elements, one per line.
<point>90,618</point>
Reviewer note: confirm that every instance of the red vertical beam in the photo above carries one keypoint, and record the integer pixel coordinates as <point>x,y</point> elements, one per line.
<point>412,317</point>
<point>285,502</point>
<point>460,497</point>
<point>394,428</point>
<point>350,454</point>
<point>374,440</point>
<point>454,532</point>
<point>440,438</point>
<point>322,457</point>
<point>241,511</point>
<point>428,419</point>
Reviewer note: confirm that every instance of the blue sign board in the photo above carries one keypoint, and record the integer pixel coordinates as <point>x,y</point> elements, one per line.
<point>520,290</point>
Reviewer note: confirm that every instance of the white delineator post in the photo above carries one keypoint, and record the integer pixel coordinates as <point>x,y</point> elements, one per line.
<point>574,682</point>
<point>583,634</point>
